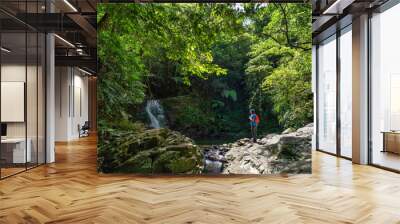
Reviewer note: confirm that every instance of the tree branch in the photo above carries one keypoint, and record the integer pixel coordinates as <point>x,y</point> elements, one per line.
<point>285,30</point>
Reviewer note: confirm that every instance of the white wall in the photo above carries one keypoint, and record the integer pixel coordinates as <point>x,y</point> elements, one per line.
<point>80,110</point>
<point>34,125</point>
<point>62,82</point>
<point>71,102</point>
<point>14,72</point>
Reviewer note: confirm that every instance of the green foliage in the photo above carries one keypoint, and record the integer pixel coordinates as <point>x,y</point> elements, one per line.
<point>136,40</point>
<point>158,49</point>
<point>121,76</point>
<point>290,25</point>
<point>194,117</point>
<point>279,69</point>
<point>230,94</point>
<point>216,104</point>
<point>190,115</point>
<point>290,89</point>
<point>139,44</point>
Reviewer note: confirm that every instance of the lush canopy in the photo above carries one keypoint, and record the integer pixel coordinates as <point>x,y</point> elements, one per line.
<point>208,63</point>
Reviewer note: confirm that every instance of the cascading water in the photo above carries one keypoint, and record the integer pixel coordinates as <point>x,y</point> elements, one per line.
<point>214,158</point>
<point>156,114</point>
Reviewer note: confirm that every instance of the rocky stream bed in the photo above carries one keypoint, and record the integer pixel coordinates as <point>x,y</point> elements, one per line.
<point>288,152</point>
<point>165,151</point>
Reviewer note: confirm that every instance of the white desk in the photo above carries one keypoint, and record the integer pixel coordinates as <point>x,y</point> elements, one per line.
<point>18,144</point>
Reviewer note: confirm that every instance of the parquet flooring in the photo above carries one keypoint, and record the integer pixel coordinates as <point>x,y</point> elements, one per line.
<point>11,170</point>
<point>71,191</point>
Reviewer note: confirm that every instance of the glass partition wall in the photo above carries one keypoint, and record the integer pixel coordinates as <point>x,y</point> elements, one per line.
<point>345,108</point>
<point>13,89</point>
<point>22,107</point>
<point>334,84</point>
<point>327,95</point>
<point>334,93</point>
<point>385,89</point>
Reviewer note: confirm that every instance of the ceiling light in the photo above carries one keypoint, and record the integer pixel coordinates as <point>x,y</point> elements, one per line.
<point>5,50</point>
<point>65,41</point>
<point>70,5</point>
<point>86,72</point>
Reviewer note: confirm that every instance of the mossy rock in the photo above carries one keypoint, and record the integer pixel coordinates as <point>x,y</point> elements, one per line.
<point>144,143</point>
<point>161,164</point>
<point>160,132</point>
<point>148,139</point>
<point>184,148</point>
<point>184,158</point>
<point>158,151</point>
<point>140,163</point>
<point>183,165</point>
<point>176,138</point>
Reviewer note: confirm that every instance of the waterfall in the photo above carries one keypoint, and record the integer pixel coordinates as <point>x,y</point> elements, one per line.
<point>156,113</point>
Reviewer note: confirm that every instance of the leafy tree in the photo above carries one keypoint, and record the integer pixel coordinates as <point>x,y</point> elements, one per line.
<point>279,84</point>
<point>137,42</point>
<point>289,86</point>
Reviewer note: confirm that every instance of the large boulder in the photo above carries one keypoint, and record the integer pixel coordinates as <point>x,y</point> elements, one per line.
<point>289,152</point>
<point>159,151</point>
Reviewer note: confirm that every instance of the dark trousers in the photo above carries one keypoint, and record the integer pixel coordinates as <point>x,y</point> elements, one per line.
<point>254,133</point>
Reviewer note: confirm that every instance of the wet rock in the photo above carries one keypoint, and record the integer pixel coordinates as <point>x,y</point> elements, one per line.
<point>287,131</point>
<point>240,143</point>
<point>214,158</point>
<point>289,152</point>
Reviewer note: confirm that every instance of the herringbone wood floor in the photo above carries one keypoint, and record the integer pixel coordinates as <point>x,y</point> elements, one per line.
<point>70,191</point>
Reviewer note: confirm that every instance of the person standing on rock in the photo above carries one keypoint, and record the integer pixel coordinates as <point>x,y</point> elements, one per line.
<point>254,120</point>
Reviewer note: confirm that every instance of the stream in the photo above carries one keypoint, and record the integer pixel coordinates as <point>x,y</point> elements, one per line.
<point>213,153</point>
<point>214,158</point>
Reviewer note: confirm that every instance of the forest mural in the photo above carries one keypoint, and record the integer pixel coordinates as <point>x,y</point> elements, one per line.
<point>179,83</point>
